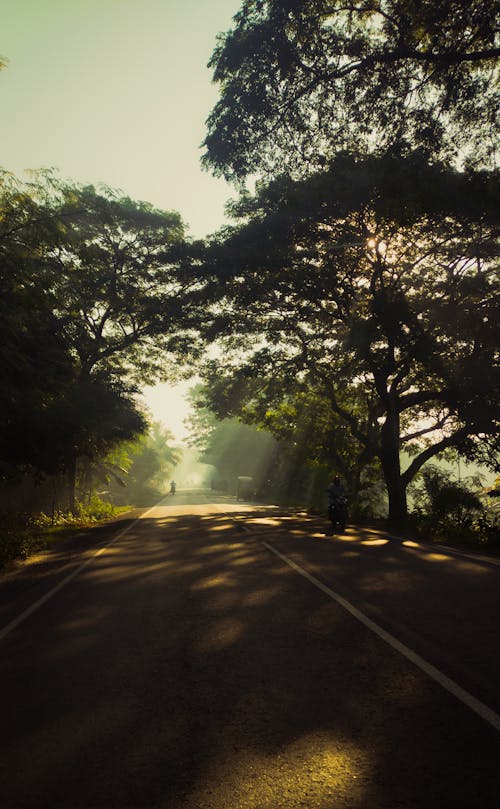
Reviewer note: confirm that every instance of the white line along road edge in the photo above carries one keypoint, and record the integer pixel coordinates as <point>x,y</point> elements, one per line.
<point>41,601</point>
<point>450,685</point>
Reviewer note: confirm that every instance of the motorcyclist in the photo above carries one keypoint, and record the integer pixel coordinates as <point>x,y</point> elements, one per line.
<point>337,500</point>
<point>172,487</point>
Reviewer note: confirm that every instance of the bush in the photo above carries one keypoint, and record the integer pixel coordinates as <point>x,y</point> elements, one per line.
<point>22,535</point>
<point>96,509</point>
<point>15,544</point>
<point>450,509</point>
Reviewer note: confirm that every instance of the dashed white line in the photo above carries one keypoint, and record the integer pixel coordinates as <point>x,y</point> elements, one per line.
<point>450,685</point>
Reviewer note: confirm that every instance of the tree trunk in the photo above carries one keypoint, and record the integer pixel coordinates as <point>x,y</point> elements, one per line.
<point>71,472</point>
<point>389,457</point>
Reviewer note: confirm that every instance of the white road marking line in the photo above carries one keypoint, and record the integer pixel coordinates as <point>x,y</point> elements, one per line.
<point>41,601</point>
<point>450,685</point>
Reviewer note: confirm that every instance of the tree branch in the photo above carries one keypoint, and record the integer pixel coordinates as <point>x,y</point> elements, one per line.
<point>435,449</point>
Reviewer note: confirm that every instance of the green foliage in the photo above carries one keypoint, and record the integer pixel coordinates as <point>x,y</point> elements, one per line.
<point>94,292</point>
<point>302,81</point>
<point>18,543</point>
<point>144,466</point>
<point>311,436</point>
<point>22,535</point>
<point>374,281</point>
<point>92,511</point>
<point>450,509</point>
<point>83,420</point>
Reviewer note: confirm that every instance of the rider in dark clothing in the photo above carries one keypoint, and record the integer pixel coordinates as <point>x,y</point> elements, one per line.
<point>337,499</point>
<point>336,491</point>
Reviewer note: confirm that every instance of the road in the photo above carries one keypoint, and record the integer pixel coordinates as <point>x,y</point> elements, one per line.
<point>219,655</point>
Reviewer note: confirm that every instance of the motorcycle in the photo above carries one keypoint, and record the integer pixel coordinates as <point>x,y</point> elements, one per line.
<point>337,514</point>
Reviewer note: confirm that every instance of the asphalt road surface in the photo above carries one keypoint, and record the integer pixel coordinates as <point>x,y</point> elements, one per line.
<point>218,655</point>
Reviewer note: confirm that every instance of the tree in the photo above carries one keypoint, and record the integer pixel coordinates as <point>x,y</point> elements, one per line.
<point>83,421</point>
<point>376,276</point>
<point>307,422</point>
<point>36,362</point>
<point>96,292</point>
<point>115,273</point>
<point>301,81</point>
<point>136,471</point>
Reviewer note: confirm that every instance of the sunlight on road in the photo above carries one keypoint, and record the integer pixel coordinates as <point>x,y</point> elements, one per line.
<point>313,771</point>
<point>221,633</point>
<point>219,580</point>
<point>374,542</point>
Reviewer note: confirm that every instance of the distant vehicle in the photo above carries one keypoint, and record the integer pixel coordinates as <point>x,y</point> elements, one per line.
<point>337,513</point>
<point>337,504</point>
<point>245,487</point>
<point>173,487</point>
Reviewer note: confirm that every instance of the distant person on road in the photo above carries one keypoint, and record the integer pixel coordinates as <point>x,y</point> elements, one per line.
<point>337,503</point>
<point>172,487</point>
<point>336,491</point>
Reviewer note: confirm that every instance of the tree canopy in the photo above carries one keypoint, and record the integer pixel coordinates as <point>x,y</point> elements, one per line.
<point>96,295</point>
<point>377,276</point>
<point>301,81</point>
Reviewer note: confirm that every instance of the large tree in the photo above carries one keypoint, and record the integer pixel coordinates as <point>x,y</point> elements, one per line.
<point>301,80</point>
<point>96,291</point>
<point>376,276</point>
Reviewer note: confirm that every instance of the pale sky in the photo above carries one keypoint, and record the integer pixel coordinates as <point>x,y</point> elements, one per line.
<point>117,91</point>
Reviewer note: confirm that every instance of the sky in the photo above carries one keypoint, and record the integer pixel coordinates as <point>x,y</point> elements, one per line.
<point>118,92</point>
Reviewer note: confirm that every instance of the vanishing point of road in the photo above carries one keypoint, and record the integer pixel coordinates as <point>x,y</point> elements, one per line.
<point>209,654</point>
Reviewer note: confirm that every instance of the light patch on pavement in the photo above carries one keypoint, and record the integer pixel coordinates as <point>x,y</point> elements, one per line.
<point>218,635</point>
<point>265,521</point>
<point>244,560</point>
<point>209,550</point>
<point>314,771</point>
<point>259,597</point>
<point>220,527</point>
<point>437,557</point>
<point>374,542</point>
<point>220,580</point>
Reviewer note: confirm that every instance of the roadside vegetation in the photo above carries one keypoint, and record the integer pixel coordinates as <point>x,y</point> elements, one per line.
<point>24,535</point>
<point>133,474</point>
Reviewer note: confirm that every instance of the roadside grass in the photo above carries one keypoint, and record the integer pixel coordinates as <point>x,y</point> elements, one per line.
<point>22,537</point>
